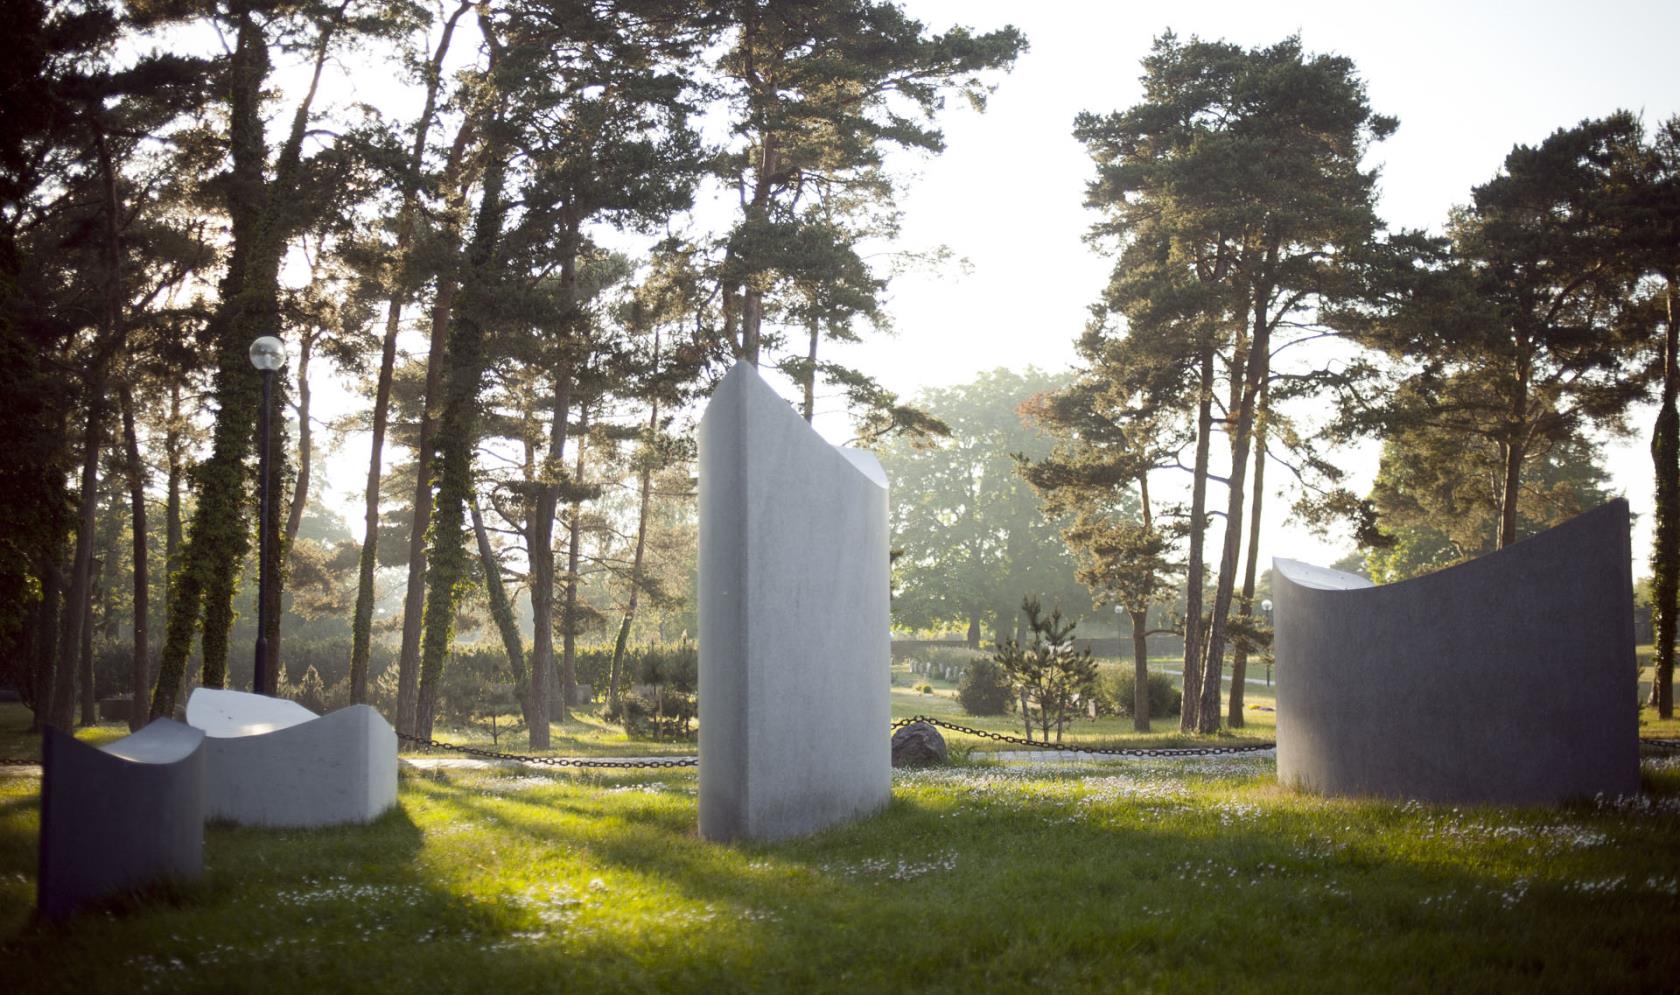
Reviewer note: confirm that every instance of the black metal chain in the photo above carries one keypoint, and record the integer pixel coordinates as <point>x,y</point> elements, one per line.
<point>548,761</point>
<point>1191,751</point>
<point>689,761</point>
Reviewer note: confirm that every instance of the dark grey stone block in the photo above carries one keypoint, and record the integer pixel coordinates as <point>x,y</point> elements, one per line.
<point>119,817</point>
<point>1509,679</point>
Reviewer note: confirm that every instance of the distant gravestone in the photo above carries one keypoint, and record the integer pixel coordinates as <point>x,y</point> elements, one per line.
<point>1509,679</point>
<point>119,817</point>
<point>794,646</point>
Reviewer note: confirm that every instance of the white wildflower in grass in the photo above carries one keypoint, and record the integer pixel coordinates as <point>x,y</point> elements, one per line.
<point>893,869</point>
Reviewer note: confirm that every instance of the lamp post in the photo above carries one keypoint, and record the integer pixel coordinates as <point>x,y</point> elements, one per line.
<point>267,354</point>
<point>1266,606</point>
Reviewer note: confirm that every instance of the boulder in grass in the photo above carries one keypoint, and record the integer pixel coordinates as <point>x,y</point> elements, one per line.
<point>918,745</point>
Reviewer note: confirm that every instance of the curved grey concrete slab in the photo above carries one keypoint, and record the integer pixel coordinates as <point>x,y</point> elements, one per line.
<point>1509,679</point>
<point>119,817</point>
<point>272,762</point>
<point>795,678</point>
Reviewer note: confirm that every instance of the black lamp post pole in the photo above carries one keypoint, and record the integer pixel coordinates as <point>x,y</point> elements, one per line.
<point>262,674</point>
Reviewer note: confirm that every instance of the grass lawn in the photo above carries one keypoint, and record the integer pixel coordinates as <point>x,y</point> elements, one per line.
<point>1182,876</point>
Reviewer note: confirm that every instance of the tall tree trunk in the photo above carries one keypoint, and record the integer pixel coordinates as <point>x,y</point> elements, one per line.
<point>1239,652</point>
<point>47,615</point>
<point>810,377</point>
<point>1251,367</point>
<point>305,447</point>
<point>1140,668</point>
<point>443,303</point>
<point>137,508</point>
<point>172,444</point>
<point>1665,556</point>
<point>568,619</point>
<point>281,544</point>
<point>1140,625</point>
<point>250,308</point>
<point>1515,452</point>
<point>1194,567</point>
<point>361,626</point>
<point>457,431</point>
<point>644,493</point>
<point>501,609</point>
<point>78,598</point>
<point>84,665</point>
<point>274,534</point>
<point>539,548</point>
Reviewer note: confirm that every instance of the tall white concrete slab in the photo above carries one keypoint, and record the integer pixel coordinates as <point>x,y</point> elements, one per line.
<point>271,762</point>
<point>794,646</point>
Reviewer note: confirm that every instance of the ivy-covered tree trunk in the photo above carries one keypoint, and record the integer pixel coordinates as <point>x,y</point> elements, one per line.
<point>361,625</point>
<point>457,437</point>
<point>501,609</point>
<point>414,596</point>
<point>260,214</point>
<point>1665,556</point>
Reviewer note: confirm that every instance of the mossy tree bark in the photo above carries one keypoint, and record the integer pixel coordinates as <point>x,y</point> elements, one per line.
<point>361,626</point>
<point>262,214</point>
<point>457,432</point>
<point>1665,557</point>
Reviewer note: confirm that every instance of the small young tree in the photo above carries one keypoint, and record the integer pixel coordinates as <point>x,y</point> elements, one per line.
<point>1049,675</point>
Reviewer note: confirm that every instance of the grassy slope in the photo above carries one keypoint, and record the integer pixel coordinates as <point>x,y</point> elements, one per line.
<point>1131,876</point>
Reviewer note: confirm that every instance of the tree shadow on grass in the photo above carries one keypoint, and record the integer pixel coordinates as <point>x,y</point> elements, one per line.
<point>1274,890</point>
<point>600,882</point>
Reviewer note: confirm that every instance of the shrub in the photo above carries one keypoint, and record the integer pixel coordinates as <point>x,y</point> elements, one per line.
<point>924,688</point>
<point>1117,692</point>
<point>665,714</point>
<point>985,689</point>
<point>310,691</point>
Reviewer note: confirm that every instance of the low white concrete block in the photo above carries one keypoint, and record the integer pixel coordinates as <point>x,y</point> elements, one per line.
<point>794,646</point>
<point>272,762</point>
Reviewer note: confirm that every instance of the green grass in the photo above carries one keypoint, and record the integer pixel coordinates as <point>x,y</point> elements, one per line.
<point>1134,876</point>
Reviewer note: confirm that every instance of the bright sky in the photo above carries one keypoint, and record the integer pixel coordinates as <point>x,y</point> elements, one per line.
<point>1467,81</point>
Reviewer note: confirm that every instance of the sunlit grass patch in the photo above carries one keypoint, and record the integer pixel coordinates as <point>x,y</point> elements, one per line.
<point>1145,875</point>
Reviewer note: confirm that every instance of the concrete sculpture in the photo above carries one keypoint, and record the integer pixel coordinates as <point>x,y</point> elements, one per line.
<point>1509,679</point>
<point>272,762</point>
<point>118,817</point>
<point>794,648</point>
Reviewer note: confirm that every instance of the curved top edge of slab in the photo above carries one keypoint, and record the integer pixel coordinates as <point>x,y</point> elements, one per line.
<point>744,378</point>
<point>1322,578</point>
<point>224,714</point>
<point>866,464</point>
<point>160,743</point>
<point>1319,578</point>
